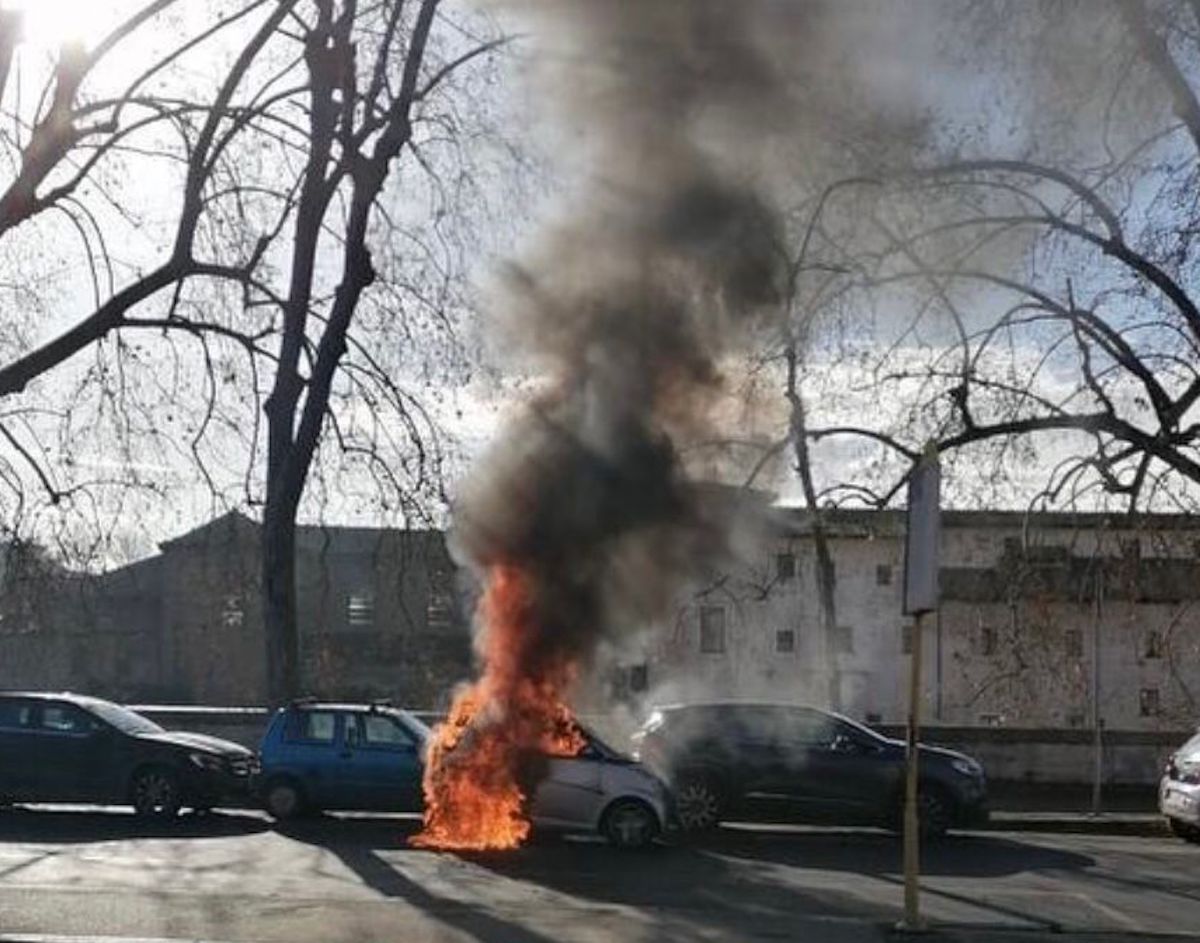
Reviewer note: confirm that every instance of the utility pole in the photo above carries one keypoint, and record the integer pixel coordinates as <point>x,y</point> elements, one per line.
<point>1097,720</point>
<point>922,555</point>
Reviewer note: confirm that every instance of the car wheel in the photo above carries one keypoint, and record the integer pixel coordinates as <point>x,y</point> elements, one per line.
<point>698,804</point>
<point>934,811</point>
<point>1184,830</point>
<point>156,793</point>
<point>283,799</point>
<point>630,824</point>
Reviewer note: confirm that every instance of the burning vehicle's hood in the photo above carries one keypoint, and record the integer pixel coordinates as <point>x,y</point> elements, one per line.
<point>196,741</point>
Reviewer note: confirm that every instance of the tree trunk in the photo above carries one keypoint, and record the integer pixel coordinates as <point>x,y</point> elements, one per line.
<point>279,601</point>
<point>825,573</point>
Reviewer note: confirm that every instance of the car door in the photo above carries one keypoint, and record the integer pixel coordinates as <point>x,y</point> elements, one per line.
<point>835,773</point>
<point>384,765</point>
<point>311,751</point>
<point>62,752</point>
<point>16,733</point>
<point>571,795</point>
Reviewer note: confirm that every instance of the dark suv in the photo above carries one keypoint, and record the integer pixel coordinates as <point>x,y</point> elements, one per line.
<point>773,761</point>
<point>72,748</point>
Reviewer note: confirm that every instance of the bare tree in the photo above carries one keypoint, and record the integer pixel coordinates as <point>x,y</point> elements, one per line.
<point>288,223</point>
<point>1040,299</point>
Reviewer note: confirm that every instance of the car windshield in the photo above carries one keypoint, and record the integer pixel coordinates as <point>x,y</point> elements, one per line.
<point>122,718</point>
<point>1190,751</point>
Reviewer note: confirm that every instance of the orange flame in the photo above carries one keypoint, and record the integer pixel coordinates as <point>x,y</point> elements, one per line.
<point>475,791</point>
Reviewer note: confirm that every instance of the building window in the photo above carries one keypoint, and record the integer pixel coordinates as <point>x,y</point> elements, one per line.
<point>785,566</point>
<point>1148,704</point>
<point>906,638</point>
<point>987,640</point>
<point>1152,646</point>
<point>1075,720</point>
<point>785,640</point>
<point>712,629</point>
<point>439,612</point>
<point>883,575</point>
<point>843,640</point>
<point>360,610</point>
<point>1073,641</point>
<point>231,612</point>
<point>639,678</point>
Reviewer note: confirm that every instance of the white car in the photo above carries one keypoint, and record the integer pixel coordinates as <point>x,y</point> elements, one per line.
<point>601,790</point>
<point>1179,791</point>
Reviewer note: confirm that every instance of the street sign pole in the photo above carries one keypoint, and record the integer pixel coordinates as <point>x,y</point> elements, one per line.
<point>922,553</point>
<point>912,846</point>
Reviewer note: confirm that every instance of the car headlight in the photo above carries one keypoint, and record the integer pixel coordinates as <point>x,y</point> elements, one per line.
<point>966,767</point>
<point>206,761</point>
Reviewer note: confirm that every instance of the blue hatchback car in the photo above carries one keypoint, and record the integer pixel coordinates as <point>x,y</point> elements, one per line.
<point>342,757</point>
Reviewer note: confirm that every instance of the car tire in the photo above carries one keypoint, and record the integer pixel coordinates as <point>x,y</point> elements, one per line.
<point>629,823</point>
<point>283,799</point>
<point>935,812</point>
<point>699,803</point>
<point>155,793</point>
<point>1184,830</point>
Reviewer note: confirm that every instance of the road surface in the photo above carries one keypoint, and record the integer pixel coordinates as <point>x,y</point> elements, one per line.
<point>233,877</point>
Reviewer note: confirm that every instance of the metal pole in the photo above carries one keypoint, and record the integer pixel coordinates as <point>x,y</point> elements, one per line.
<point>912,906</point>
<point>1097,722</point>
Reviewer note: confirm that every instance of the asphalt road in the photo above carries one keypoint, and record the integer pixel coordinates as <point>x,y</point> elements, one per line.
<point>232,877</point>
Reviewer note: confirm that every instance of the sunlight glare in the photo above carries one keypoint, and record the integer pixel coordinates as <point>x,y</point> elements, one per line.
<point>51,23</point>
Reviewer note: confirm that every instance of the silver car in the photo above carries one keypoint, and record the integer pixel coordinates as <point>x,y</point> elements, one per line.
<point>1179,791</point>
<point>603,791</point>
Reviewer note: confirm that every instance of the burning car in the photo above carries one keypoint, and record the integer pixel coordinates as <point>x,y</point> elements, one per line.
<point>371,757</point>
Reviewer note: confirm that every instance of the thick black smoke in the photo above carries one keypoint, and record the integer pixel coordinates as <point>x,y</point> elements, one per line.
<point>670,260</point>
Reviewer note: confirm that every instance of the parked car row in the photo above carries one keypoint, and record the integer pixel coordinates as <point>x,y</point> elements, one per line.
<point>692,766</point>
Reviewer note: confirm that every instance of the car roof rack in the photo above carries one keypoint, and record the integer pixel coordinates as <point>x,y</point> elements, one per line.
<point>379,702</point>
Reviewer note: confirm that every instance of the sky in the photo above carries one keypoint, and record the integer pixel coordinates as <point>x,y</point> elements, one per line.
<point>468,400</point>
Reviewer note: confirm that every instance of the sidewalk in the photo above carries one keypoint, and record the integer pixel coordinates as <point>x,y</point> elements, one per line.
<point>1067,808</point>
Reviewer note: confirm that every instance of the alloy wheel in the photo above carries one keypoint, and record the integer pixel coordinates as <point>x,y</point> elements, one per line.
<point>698,805</point>
<point>155,792</point>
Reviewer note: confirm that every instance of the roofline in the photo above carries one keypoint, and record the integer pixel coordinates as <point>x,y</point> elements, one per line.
<point>998,518</point>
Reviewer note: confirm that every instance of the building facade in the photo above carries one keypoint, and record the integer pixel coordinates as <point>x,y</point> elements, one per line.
<point>379,616</point>
<point>1046,620</point>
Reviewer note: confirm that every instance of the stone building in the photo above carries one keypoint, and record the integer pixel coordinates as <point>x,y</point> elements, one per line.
<point>378,617</point>
<point>1047,620</point>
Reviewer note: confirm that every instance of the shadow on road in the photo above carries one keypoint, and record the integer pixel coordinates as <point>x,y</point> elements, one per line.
<point>724,879</point>
<point>71,825</point>
<point>864,851</point>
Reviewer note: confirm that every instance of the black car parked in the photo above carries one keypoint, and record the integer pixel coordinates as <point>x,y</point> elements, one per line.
<point>773,761</point>
<point>72,748</point>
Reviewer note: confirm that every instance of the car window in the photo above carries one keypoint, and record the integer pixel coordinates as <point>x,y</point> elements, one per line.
<point>380,730</point>
<point>809,728</point>
<point>312,726</point>
<point>63,718</point>
<point>15,715</point>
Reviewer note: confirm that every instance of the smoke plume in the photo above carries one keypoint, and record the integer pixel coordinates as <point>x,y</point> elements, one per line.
<point>581,520</point>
